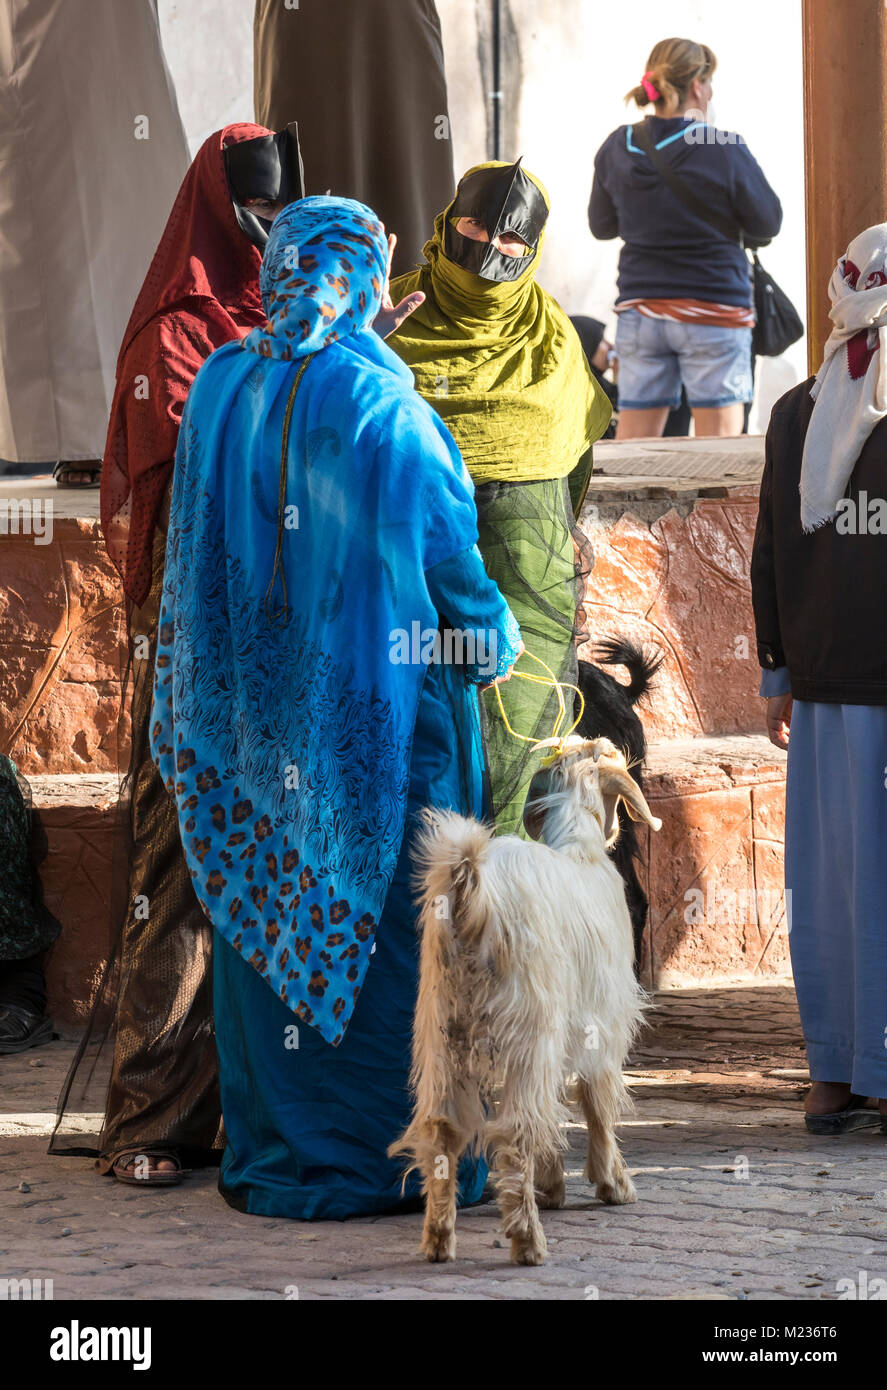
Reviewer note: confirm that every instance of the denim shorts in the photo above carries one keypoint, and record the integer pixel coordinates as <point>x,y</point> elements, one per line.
<point>656,356</point>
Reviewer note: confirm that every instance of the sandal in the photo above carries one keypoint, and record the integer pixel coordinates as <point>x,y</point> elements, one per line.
<point>854,1115</point>
<point>124,1164</point>
<point>66,467</point>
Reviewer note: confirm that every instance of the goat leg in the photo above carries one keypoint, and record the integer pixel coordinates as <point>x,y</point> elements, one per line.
<point>517,1201</point>
<point>601,1100</point>
<point>550,1185</point>
<point>435,1147</point>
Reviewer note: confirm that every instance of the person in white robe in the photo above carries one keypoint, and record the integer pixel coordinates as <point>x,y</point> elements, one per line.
<point>92,153</point>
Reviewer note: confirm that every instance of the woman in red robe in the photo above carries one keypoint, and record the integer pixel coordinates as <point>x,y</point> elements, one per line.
<point>162,1107</point>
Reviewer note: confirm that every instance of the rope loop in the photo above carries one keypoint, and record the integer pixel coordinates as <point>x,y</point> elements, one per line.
<point>552,681</point>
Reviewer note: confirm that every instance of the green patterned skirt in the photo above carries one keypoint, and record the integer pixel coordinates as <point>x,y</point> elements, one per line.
<point>534,551</point>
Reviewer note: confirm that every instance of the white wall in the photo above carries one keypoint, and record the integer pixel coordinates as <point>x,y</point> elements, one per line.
<point>209,49</point>
<point>577,59</point>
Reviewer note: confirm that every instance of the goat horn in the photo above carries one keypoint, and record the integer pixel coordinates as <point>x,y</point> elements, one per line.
<point>618,782</point>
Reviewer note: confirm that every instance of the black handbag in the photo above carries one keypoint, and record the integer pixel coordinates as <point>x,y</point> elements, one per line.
<point>778,323</point>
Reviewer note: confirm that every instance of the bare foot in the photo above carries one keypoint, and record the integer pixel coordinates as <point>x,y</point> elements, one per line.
<point>826,1097</point>
<point>79,473</point>
<point>133,1167</point>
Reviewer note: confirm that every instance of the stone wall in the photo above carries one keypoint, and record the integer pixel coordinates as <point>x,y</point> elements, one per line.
<point>61,638</point>
<point>671,570</point>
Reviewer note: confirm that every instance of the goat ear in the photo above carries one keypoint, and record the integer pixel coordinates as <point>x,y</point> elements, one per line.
<point>616,783</point>
<point>534,813</point>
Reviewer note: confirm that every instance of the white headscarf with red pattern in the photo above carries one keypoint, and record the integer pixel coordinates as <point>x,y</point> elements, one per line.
<point>850,390</point>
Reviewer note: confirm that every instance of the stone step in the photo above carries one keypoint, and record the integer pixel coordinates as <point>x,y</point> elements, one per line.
<point>720,460</point>
<point>713,874</point>
<point>78,813</point>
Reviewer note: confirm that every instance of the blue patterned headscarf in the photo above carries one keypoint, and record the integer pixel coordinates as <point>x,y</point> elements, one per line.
<point>322,276</point>
<point>286,744</point>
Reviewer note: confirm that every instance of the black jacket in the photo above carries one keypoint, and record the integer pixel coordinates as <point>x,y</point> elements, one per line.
<point>820,599</point>
<point>669,251</point>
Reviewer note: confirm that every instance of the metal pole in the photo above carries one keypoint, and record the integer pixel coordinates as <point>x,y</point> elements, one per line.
<point>496,94</point>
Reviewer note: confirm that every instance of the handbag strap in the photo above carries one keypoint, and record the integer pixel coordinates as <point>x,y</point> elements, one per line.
<point>684,194</point>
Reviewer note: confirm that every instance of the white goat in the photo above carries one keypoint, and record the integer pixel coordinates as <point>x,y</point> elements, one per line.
<point>526,980</point>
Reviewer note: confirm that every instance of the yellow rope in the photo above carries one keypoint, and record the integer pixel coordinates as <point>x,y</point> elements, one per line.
<point>555,684</point>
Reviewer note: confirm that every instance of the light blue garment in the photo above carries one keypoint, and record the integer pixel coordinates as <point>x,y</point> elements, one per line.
<point>836,873</point>
<point>657,356</point>
<point>283,727</point>
<point>775,682</point>
<point>322,276</point>
<point>308,1126</point>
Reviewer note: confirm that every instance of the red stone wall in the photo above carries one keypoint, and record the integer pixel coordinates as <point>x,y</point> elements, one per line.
<point>680,582</point>
<point>673,572</point>
<point>670,570</point>
<point>714,872</point>
<point>61,638</point>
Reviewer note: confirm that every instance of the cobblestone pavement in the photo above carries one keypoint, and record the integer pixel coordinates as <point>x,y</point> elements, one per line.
<point>736,1200</point>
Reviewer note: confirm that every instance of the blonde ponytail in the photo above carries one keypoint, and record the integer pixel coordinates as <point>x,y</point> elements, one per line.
<point>672,67</point>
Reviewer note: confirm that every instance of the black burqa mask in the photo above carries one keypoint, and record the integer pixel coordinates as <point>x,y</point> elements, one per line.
<point>268,167</point>
<point>505,200</point>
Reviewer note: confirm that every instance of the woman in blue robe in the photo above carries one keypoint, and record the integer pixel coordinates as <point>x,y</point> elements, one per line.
<point>326,622</point>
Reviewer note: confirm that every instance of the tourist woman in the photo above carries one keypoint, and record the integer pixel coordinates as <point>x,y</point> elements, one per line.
<point>321,554</point>
<point>502,365</point>
<point>685,303</point>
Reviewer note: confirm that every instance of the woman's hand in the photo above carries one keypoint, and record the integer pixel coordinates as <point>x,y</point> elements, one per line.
<point>391,316</point>
<point>601,358</point>
<point>500,680</point>
<point>779,718</point>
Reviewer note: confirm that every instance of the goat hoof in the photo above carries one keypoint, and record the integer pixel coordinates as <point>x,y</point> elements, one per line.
<point>555,1197</point>
<point>620,1193</point>
<point>439,1246</point>
<point>528,1252</point>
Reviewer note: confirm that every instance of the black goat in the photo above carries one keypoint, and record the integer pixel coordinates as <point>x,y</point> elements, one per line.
<point>610,713</point>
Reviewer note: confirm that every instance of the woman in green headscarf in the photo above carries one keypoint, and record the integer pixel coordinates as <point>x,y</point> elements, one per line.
<point>502,365</point>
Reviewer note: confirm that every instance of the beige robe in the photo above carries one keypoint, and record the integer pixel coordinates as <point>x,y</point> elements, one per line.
<point>83,203</point>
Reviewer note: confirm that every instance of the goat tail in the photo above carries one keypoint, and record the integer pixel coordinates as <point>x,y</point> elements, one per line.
<point>449,852</point>
<point>641,664</point>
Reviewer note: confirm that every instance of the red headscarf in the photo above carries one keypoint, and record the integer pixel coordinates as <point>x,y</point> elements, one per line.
<point>202,290</point>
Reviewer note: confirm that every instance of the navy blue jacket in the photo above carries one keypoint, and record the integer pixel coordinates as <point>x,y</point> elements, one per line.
<point>669,252</point>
